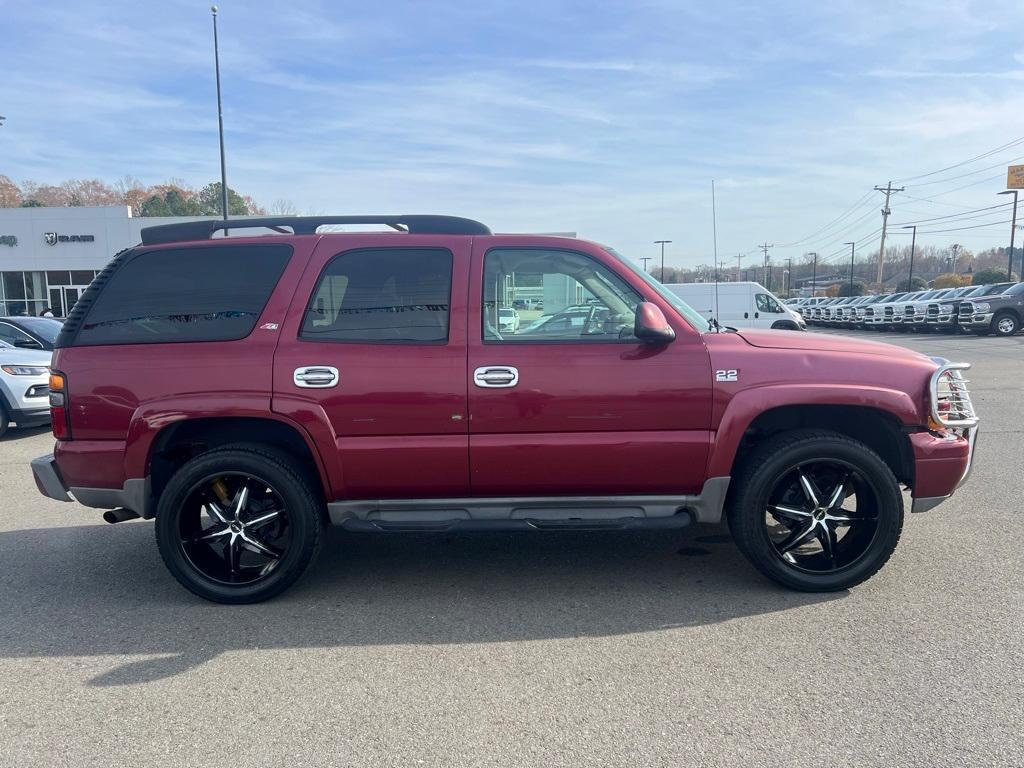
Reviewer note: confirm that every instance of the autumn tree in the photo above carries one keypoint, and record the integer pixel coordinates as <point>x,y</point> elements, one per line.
<point>10,195</point>
<point>951,280</point>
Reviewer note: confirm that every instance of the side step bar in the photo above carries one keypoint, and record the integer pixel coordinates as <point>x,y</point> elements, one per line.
<point>679,520</point>
<point>533,513</point>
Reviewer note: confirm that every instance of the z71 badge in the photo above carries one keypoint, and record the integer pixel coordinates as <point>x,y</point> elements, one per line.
<point>731,375</point>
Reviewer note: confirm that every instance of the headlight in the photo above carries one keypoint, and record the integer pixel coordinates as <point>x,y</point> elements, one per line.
<point>982,306</point>
<point>945,309</point>
<point>24,370</point>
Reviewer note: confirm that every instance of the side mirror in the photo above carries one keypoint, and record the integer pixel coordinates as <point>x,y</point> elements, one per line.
<point>650,325</point>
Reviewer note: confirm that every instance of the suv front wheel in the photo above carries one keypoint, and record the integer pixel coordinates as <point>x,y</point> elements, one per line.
<point>239,524</point>
<point>816,511</point>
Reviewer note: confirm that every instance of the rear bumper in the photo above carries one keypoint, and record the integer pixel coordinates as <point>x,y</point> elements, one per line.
<point>941,465</point>
<point>48,479</point>
<point>134,494</point>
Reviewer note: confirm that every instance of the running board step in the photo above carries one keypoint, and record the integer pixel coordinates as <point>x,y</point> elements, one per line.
<point>374,525</point>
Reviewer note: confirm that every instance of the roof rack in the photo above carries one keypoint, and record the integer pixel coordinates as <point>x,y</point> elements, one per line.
<point>203,229</point>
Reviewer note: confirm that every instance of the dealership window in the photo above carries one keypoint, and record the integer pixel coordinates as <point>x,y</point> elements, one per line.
<point>29,293</point>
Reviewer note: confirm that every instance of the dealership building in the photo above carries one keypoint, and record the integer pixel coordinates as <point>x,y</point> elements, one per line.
<point>49,255</point>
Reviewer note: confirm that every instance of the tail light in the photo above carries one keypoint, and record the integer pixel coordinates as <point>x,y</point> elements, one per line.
<point>60,420</point>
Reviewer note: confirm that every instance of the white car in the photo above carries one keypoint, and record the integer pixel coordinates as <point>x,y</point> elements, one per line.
<point>24,387</point>
<point>508,320</point>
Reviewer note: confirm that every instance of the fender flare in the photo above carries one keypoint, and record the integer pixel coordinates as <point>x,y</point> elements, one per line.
<point>149,420</point>
<point>746,405</point>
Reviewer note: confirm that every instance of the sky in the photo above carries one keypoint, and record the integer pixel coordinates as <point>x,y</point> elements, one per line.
<point>610,119</point>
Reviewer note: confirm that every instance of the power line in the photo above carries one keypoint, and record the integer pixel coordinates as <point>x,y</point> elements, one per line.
<point>842,216</point>
<point>965,175</point>
<point>982,156</point>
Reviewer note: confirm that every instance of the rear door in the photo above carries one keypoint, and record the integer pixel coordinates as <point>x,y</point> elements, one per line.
<point>375,345</point>
<point>587,411</point>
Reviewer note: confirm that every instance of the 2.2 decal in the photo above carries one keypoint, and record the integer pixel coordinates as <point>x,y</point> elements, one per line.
<point>728,375</point>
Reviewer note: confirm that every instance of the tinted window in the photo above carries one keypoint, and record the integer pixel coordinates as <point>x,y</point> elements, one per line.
<point>581,299</point>
<point>1015,290</point>
<point>188,294</point>
<point>382,295</point>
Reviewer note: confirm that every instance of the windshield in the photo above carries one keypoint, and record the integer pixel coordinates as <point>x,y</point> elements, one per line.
<point>692,316</point>
<point>46,328</point>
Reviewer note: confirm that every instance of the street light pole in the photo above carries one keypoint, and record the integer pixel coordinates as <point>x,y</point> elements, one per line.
<point>645,259</point>
<point>220,120</point>
<point>662,243</point>
<point>913,242</point>
<point>1013,231</point>
<point>853,248</point>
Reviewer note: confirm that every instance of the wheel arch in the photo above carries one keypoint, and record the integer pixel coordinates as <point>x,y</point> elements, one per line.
<point>176,443</point>
<point>880,426</point>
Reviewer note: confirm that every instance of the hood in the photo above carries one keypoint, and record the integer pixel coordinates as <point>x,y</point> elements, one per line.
<point>821,342</point>
<point>17,356</point>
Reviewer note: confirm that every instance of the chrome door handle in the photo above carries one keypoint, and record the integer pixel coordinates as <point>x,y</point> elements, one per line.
<point>316,377</point>
<point>496,376</point>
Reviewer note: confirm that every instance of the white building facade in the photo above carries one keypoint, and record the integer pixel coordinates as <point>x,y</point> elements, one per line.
<point>48,256</point>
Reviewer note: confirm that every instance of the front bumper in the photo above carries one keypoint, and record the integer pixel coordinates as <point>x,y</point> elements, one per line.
<point>31,417</point>
<point>977,321</point>
<point>941,465</point>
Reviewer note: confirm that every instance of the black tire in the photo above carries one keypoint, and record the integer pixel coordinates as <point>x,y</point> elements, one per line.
<point>785,325</point>
<point>1005,324</point>
<point>5,420</point>
<point>866,543</point>
<point>192,551</point>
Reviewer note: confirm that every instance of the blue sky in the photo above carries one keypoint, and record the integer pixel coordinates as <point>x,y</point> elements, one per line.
<point>609,119</point>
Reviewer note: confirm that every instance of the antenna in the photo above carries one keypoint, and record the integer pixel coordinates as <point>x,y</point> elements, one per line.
<point>714,240</point>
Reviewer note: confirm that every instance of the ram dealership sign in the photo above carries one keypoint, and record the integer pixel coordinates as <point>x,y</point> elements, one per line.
<point>52,238</point>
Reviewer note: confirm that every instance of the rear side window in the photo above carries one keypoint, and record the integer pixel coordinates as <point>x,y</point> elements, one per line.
<point>382,296</point>
<point>187,294</point>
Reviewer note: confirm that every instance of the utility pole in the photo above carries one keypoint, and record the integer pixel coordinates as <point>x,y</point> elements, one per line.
<point>1013,231</point>
<point>888,190</point>
<point>789,278</point>
<point>661,277</point>
<point>913,243</point>
<point>814,273</point>
<point>765,248</point>
<point>739,256</point>
<point>645,259</point>
<point>853,248</point>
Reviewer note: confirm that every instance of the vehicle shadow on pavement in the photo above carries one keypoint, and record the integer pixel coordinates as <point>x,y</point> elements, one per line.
<point>17,433</point>
<point>101,590</point>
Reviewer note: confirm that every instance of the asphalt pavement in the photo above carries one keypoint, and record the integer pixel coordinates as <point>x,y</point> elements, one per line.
<point>638,649</point>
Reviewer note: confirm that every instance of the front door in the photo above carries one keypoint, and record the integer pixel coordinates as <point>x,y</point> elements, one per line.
<point>380,352</point>
<point>571,403</point>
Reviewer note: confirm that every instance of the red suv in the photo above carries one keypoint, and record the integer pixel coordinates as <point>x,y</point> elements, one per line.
<point>246,391</point>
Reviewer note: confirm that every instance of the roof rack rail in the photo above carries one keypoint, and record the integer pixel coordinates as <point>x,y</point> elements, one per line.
<point>203,229</point>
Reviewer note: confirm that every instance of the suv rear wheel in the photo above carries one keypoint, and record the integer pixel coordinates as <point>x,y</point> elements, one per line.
<point>239,524</point>
<point>5,420</point>
<point>816,511</point>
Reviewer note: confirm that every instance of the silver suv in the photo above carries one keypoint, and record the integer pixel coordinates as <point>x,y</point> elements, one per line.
<point>24,387</point>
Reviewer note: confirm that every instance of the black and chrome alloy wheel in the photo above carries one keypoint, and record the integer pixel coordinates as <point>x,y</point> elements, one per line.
<point>815,510</point>
<point>234,528</point>
<point>821,516</point>
<point>239,524</point>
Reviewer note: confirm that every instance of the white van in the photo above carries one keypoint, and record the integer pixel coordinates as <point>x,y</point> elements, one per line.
<point>740,305</point>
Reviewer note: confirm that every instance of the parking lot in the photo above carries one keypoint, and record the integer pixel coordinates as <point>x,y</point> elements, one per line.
<point>527,650</point>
